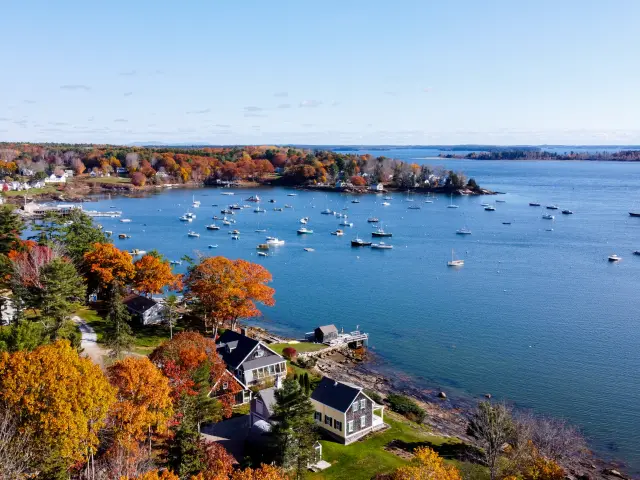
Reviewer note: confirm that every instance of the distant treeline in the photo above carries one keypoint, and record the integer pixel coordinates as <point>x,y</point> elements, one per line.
<point>533,154</point>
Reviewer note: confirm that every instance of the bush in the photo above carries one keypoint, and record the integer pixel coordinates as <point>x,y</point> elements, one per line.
<point>289,353</point>
<point>406,406</point>
<point>375,396</point>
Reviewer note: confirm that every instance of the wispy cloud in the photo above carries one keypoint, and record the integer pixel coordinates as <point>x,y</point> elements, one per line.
<point>391,93</point>
<point>121,120</point>
<point>284,105</point>
<point>30,102</point>
<point>222,125</point>
<point>281,94</point>
<point>59,124</point>
<point>427,89</point>
<point>73,87</point>
<point>4,119</point>
<point>128,94</point>
<point>252,109</point>
<point>254,115</point>
<point>21,123</point>
<point>199,112</point>
<point>128,73</point>
<point>335,103</point>
<point>91,119</point>
<point>310,103</point>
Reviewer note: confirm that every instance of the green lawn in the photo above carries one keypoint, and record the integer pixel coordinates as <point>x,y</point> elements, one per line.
<point>30,192</point>
<point>363,460</point>
<point>107,180</point>
<point>300,347</point>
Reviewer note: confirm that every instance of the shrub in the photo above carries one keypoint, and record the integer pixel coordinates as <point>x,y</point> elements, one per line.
<point>289,353</point>
<point>375,396</point>
<point>406,406</point>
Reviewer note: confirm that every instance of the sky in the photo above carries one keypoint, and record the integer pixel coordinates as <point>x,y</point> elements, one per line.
<point>319,72</point>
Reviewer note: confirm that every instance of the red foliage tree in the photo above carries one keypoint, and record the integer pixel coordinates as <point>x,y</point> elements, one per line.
<point>138,179</point>
<point>289,353</point>
<point>358,181</point>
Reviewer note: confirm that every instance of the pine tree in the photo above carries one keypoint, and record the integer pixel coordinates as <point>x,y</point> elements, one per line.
<point>307,384</point>
<point>301,382</point>
<point>11,227</point>
<point>120,336</point>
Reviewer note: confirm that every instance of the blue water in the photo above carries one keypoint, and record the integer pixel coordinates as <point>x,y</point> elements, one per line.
<point>538,317</point>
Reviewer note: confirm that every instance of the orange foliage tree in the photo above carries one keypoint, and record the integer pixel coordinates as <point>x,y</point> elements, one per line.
<point>155,475</point>
<point>153,274</point>
<point>427,465</point>
<point>184,358</point>
<point>60,398</point>
<point>358,181</point>
<point>107,264</point>
<point>264,472</point>
<point>144,404</point>
<point>228,289</point>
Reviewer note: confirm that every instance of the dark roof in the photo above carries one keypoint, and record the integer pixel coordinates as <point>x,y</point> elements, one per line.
<point>139,304</point>
<point>334,394</point>
<point>325,329</point>
<point>262,362</point>
<point>240,346</point>
<point>268,396</point>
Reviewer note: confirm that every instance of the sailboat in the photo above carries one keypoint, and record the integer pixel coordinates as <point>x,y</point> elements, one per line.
<point>195,203</point>
<point>451,205</point>
<point>454,262</point>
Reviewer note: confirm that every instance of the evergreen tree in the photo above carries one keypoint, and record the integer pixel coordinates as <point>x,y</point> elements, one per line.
<point>11,227</point>
<point>294,433</point>
<point>171,304</point>
<point>78,234</point>
<point>120,336</point>
<point>301,382</point>
<point>307,384</point>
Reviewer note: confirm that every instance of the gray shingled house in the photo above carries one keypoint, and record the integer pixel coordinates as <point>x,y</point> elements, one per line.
<point>326,333</point>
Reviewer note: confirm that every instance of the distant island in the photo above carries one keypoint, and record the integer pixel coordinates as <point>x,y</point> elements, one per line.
<point>72,171</point>
<point>537,153</point>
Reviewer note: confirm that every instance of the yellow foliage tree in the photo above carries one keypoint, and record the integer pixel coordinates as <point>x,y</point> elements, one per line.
<point>155,475</point>
<point>143,404</point>
<point>107,264</point>
<point>427,465</point>
<point>60,398</point>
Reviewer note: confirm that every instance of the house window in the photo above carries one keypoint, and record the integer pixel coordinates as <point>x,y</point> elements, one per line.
<point>328,420</point>
<point>363,421</point>
<point>317,416</point>
<point>350,426</point>
<point>272,369</point>
<point>225,385</point>
<point>363,404</point>
<point>259,353</point>
<point>337,425</point>
<point>355,406</point>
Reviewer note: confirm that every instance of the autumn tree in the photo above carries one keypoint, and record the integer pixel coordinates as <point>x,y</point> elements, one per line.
<point>171,314</point>
<point>427,465</point>
<point>105,264</point>
<point>153,273</point>
<point>358,181</point>
<point>61,399</point>
<point>143,407</point>
<point>17,450</point>
<point>227,290</point>
<point>492,425</point>
<point>155,475</point>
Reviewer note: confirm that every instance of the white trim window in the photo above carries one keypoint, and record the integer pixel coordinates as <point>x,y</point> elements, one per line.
<point>318,416</point>
<point>355,406</point>
<point>363,404</point>
<point>350,426</point>
<point>363,421</point>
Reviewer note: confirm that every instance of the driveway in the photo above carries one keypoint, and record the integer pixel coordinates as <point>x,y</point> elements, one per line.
<point>89,342</point>
<point>231,434</point>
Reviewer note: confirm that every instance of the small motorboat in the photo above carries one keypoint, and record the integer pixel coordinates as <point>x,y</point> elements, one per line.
<point>372,220</point>
<point>235,206</point>
<point>552,207</point>
<point>262,254</point>
<point>304,231</point>
<point>567,212</point>
<point>226,211</point>
<point>190,215</point>
<point>259,210</point>
<point>273,241</point>
<point>355,201</point>
<point>534,204</point>
<point>634,214</point>
<point>501,201</point>
<point>463,231</point>
<point>387,197</point>
<point>506,223</point>
<point>123,236</point>
<point>381,233</point>
<point>385,204</point>
<point>278,209</point>
<point>272,201</point>
<point>253,198</point>
<point>413,207</point>
<point>263,246</point>
<point>137,251</point>
<point>484,204</point>
<point>227,193</point>
<point>184,218</point>
<point>345,223</point>
<point>175,262</point>
<point>235,232</point>
<point>327,211</point>
<point>193,234</point>
<point>213,246</point>
<point>112,206</point>
<point>125,220</point>
<point>636,252</point>
<point>226,222</point>
<point>381,246</point>
<point>304,220</point>
<point>308,249</point>
<point>548,217</point>
<point>614,258</point>
<point>288,206</point>
<point>291,194</point>
<point>108,233</point>
<point>358,242</point>
<point>260,230</point>
<point>490,208</point>
<point>213,226</point>
<point>235,237</point>
<point>338,233</point>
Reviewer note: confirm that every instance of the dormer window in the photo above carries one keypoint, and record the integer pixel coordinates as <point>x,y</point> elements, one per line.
<point>259,353</point>
<point>225,385</point>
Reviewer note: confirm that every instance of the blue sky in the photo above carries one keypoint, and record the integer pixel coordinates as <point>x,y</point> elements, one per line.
<point>321,72</point>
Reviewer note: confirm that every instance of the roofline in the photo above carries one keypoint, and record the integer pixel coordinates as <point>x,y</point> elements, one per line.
<point>233,376</point>
<point>257,345</point>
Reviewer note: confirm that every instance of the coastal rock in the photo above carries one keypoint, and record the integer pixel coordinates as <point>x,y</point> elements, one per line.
<point>442,395</point>
<point>487,395</point>
<point>613,473</point>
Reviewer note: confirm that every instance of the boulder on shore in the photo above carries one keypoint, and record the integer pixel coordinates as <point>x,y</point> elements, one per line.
<point>442,395</point>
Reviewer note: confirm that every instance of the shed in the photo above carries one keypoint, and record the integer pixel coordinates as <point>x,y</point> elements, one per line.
<point>326,333</point>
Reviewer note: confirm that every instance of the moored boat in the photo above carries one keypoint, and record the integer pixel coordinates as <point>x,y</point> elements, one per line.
<point>338,233</point>
<point>463,231</point>
<point>381,246</point>
<point>358,242</point>
<point>262,254</point>
<point>304,231</point>
<point>490,208</point>
<point>263,246</point>
<point>123,236</point>
<point>552,207</point>
<point>534,204</point>
<point>614,258</point>
<point>381,233</point>
<point>455,262</point>
<point>193,234</point>
<point>213,226</point>
<point>137,251</point>
<point>373,220</point>
<point>634,214</point>
<point>567,212</point>
<point>275,241</point>
<point>548,217</point>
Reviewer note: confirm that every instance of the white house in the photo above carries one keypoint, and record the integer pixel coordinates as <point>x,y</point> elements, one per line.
<point>161,174</point>
<point>69,173</point>
<point>377,188</point>
<point>344,412</point>
<point>27,172</point>
<point>53,178</point>
<point>148,310</point>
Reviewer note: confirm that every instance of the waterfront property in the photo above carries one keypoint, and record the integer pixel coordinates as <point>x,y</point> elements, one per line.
<point>344,412</point>
<point>263,404</point>
<point>226,383</point>
<point>252,362</point>
<point>329,335</point>
<point>149,311</point>
<point>326,333</point>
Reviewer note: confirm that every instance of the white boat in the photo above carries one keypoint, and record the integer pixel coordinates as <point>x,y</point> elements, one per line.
<point>291,194</point>
<point>190,215</point>
<point>184,218</point>
<point>227,193</point>
<point>226,222</point>
<point>387,198</point>
<point>308,249</point>
<point>262,254</point>
<point>463,231</point>
<point>274,241</point>
<point>235,237</point>
<point>614,258</point>
<point>137,251</point>
<point>176,262</point>
<point>345,223</point>
<point>259,210</point>
<point>501,201</point>
<point>213,226</point>
<point>195,203</point>
<point>125,220</point>
<point>386,204</point>
<point>414,207</point>
<point>381,246</point>
<point>304,231</point>
<point>327,211</point>
<point>428,201</point>
<point>451,205</point>
<point>338,233</point>
<point>213,246</point>
<point>193,234</point>
<point>355,201</point>
<point>490,208</point>
<point>454,262</point>
<point>373,220</point>
<point>253,198</point>
<point>288,206</point>
<point>546,216</point>
<point>304,220</point>
<point>278,209</point>
<point>108,233</point>
<point>484,204</point>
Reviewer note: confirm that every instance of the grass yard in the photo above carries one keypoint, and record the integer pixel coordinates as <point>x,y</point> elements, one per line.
<point>31,192</point>
<point>300,347</point>
<point>106,180</point>
<point>364,459</point>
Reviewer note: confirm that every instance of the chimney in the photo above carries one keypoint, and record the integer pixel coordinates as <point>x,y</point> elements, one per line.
<point>243,331</point>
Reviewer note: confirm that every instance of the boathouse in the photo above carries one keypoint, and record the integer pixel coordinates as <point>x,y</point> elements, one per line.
<point>326,333</point>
